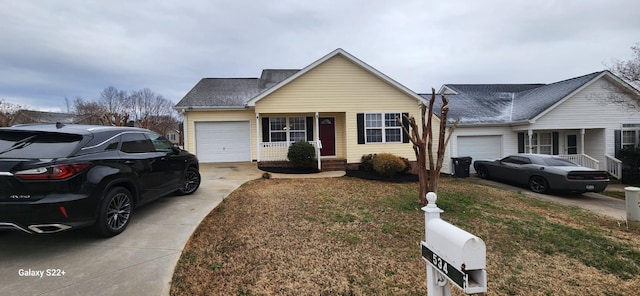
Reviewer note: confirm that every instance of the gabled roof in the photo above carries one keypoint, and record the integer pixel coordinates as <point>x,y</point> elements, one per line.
<point>234,93</point>
<point>512,103</point>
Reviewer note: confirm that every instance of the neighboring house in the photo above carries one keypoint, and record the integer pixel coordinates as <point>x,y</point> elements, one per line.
<point>341,105</point>
<point>587,119</point>
<point>30,116</point>
<point>173,134</point>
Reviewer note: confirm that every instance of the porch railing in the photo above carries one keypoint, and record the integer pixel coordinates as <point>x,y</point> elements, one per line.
<point>583,160</point>
<point>614,166</point>
<point>276,151</point>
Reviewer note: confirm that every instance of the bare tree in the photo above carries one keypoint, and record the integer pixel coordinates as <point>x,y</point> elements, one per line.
<point>628,70</point>
<point>8,112</point>
<point>117,106</point>
<point>152,111</point>
<point>88,112</point>
<point>422,140</point>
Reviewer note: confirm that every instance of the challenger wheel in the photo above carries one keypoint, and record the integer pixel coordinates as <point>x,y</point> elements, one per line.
<point>538,184</point>
<point>483,172</point>
<point>115,212</point>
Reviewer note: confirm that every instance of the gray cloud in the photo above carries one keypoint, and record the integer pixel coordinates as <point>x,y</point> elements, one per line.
<point>56,49</point>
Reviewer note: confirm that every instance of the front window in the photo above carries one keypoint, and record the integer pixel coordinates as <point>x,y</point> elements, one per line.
<point>291,129</point>
<point>629,139</point>
<point>383,128</point>
<point>541,143</point>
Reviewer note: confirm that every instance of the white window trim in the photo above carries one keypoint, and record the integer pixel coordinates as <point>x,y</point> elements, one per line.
<point>384,128</point>
<point>287,130</point>
<point>536,145</point>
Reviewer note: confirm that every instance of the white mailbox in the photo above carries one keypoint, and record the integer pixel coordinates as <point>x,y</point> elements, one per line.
<point>457,254</point>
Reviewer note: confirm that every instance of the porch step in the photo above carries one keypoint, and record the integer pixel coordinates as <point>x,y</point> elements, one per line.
<point>334,164</point>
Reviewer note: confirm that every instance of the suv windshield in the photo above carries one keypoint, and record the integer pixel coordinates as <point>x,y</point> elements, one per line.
<point>19,144</point>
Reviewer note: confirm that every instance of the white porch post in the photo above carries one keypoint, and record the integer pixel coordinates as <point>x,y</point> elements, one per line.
<point>582,132</point>
<point>530,134</point>
<point>318,144</point>
<point>258,136</point>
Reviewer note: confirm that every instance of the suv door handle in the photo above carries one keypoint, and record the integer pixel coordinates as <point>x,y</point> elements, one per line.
<point>129,162</point>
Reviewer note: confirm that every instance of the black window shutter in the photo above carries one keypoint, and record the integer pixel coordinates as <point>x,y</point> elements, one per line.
<point>265,130</point>
<point>555,144</point>
<point>360,119</point>
<point>310,128</point>
<point>405,123</point>
<point>617,140</point>
<point>520,142</point>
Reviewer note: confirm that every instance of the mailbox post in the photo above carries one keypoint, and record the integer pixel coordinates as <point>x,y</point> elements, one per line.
<point>452,254</point>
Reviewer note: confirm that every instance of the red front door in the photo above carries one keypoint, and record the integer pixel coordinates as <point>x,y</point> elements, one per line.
<point>328,136</point>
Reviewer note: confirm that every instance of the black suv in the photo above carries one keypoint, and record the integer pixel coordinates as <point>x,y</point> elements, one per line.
<point>55,177</point>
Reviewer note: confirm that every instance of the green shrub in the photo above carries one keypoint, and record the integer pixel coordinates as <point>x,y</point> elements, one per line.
<point>302,154</point>
<point>388,165</point>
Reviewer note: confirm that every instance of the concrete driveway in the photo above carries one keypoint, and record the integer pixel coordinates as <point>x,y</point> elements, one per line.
<point>140,261</point>
<point>597,203</point>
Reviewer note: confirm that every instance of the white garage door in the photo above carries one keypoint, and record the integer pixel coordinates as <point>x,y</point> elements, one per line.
<point>223,141</point>
<point>480,147</point>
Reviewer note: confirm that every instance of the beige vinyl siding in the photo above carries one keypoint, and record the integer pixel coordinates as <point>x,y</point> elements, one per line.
<point>340,86</point>
<point>211,116</point>
<point>337,85</point>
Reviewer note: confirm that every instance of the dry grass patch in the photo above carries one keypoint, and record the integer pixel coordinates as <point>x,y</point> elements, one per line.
<point>347,236</point>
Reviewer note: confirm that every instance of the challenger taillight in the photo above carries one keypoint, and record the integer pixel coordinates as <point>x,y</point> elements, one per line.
<point>55,172</point>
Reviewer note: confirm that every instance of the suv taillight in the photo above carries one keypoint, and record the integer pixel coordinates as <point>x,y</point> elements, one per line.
<point>55,172</point>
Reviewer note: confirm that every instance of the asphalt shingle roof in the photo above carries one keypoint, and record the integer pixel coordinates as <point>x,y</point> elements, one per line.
<point>505,103</point>
<point>231,92</point>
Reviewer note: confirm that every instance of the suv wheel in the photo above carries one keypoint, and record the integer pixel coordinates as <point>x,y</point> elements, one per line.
<point>192,182</point>
<point>115,212</point>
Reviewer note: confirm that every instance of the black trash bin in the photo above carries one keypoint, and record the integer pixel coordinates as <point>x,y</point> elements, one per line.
<point>461,166</point>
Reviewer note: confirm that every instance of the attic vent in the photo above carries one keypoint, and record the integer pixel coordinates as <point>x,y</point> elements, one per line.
<point>504,95</point>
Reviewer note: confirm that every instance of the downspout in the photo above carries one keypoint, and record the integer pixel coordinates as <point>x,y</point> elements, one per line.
<point>185,126</point>
<point>318,143</point>
<point>257,137</point>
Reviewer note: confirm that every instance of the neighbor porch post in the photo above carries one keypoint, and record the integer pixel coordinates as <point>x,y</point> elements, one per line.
<point>318,144</point>
<point>258,137</point>
<point>582,132</point>
<point>530,134</point>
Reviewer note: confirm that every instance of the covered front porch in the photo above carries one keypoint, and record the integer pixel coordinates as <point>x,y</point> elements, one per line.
<point>586,147</point>
<point>325,131</point>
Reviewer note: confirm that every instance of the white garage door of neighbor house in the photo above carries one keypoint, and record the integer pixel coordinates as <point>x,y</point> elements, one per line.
<point>480,147</point>
<point>226,141</point>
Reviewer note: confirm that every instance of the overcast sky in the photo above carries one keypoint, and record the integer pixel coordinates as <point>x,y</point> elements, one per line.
<point>54,49</point>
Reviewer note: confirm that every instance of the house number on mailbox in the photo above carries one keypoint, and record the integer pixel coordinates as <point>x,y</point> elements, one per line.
<point>440,264</point>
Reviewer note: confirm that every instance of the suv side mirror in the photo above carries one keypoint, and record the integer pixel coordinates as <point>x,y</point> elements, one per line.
<point>176,149</point>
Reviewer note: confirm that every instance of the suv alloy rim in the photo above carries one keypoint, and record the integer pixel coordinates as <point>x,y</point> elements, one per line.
<point>118,211</point>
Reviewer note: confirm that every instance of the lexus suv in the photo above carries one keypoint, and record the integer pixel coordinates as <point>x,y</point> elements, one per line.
<point>56,177</point>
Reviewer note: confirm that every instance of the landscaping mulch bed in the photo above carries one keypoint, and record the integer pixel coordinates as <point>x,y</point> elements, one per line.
<point>289,170</point>
<point>371,175</point>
